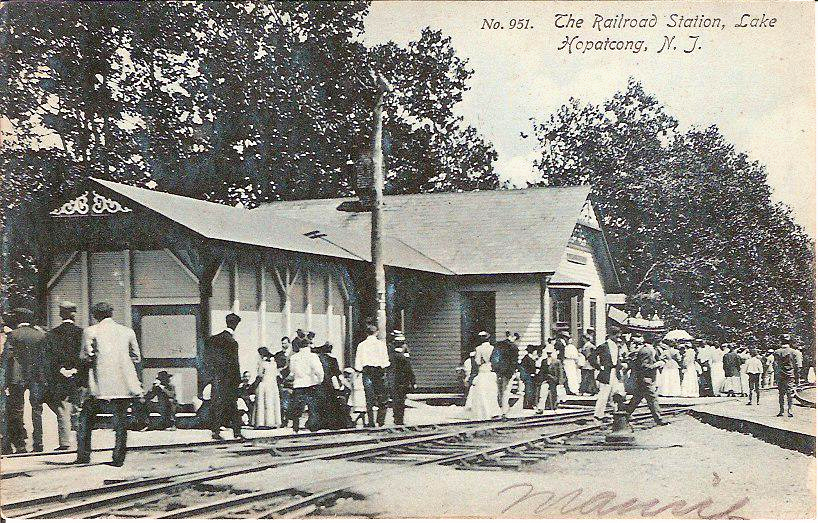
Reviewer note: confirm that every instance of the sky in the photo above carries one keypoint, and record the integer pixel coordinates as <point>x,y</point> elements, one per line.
<point>757,84</point>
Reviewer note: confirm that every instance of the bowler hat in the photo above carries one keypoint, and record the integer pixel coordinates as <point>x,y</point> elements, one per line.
<point>162,375</point>
<point>232,317</point>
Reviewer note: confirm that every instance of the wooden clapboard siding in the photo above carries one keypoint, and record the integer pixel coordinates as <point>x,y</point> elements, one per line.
<point>274,331</point>
<point>517,308</point>
<point>590,274</point>
<point>273,294</point>
<point>258,327</point>
<point>433,335</point>
<point>298,297</point>
<point>157,275</point>
<point>67,287</point>
<point>107,282</point>
<point>247,286</point>
<point>338,337</point>
<point>220,299</point>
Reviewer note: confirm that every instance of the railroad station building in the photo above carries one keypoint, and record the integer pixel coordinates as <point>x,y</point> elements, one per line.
<point>529,261</point>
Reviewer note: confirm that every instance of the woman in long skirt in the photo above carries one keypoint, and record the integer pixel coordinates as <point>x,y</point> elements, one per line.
<point>690,374</point>
<point>267,409</point>
<point>569,363</point>
<point>732,373</point>
<point>481,402</point>
<point>717,370</point>
<point>670,384</point>
<point>331,414</point>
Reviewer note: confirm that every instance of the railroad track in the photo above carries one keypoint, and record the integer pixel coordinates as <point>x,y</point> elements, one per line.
<point>282,437</point>
<point>283,443</point>
<point>198,494</point>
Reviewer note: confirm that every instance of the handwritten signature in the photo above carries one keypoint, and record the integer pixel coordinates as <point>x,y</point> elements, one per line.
<point>605,503</point>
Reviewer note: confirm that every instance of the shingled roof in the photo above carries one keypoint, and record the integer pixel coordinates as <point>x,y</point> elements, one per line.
<point>471,233</point>
<point>222,222</point>
<point>484,232</point>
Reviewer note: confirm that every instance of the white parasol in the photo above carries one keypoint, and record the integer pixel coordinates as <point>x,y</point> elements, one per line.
<point>678,335</point>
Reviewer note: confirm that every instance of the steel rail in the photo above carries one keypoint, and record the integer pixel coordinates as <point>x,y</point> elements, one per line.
<point>257,446</point>
<point>140,488</point>
<point>219,507</point>
<point>322,433</point>
<point>294,505</point>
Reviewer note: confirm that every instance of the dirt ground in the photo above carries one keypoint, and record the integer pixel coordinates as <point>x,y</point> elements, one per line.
<point>700,472</point>
<point>714,473</point>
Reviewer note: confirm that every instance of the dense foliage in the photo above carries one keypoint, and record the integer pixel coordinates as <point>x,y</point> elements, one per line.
<point>229,101</point>
<point>694,230</point>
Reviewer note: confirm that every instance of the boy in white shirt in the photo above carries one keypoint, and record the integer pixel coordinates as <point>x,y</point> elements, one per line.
<point>754,371</point>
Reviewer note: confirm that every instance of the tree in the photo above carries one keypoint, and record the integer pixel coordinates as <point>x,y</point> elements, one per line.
<point>238,103</point>
<point>687,216</point>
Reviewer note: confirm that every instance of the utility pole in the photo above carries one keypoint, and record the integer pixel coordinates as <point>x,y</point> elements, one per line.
<point>376,155</point>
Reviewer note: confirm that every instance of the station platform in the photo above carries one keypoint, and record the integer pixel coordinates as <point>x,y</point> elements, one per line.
<point>418,412</point>
<point>796,433</point>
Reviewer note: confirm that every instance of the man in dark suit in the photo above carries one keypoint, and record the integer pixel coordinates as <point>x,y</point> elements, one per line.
<point>607,361</point>
<point>21,359</point>
<point>222,362</point>
<point>504,364</point>
<point>528,373</point>
<point>62,372</point>
<point>403,381</point>
<point>644,368</point>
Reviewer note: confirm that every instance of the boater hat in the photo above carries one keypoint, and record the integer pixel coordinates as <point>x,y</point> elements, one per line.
<point>68,306</point>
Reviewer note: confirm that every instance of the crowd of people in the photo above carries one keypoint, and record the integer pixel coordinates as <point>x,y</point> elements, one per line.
<point>301,375</point>
<point>622,365</point>
<point>80,372</point>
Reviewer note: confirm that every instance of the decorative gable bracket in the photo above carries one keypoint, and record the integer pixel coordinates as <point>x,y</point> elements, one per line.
<point>99,206</point>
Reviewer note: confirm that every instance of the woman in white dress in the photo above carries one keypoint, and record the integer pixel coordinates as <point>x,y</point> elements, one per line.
<point>670,384</point>
<point>268,403</point>
<point>569,364</point>
<point>717,369</point>
<point>481,402</point>
<point>690,374</point>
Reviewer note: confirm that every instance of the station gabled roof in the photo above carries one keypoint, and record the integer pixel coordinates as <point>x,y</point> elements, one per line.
<point>472,233</point>
<point>222,222</point>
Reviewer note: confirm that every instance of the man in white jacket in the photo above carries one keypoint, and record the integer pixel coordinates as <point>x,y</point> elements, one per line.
<point>111,353</point>
<point>307,373</point>
<point>372,359</point>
